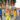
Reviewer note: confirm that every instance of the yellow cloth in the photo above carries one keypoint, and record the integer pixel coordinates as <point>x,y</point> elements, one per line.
<point>7,16</point>
<point>14,13</point>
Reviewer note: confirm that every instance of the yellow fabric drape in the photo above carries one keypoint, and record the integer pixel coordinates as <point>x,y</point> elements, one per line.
<point>14,13</point>
<point>7,17</point>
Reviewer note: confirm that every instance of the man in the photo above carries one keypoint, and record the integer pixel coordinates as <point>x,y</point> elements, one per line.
<point>2,5</point>
<point>1,13</point>
<point>13,4</point>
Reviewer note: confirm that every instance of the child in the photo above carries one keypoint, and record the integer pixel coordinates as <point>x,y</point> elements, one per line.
<point>7,15</point>
<point>15,14</point>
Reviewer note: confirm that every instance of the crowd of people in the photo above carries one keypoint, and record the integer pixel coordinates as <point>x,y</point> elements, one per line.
<point>9,6</point>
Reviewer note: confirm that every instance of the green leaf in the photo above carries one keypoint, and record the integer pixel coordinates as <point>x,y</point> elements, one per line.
<point>4,0</point>
<point>14,0</point>
<point>0,0</point>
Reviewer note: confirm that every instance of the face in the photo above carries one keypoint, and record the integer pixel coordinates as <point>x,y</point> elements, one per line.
<point>12,3</point>
<point>9,12</point>
<point>6,10</point>
<point>2,5</point>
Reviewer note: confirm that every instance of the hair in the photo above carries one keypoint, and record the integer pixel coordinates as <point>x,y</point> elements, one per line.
<point>14,9</point>
<point>13,1</point>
